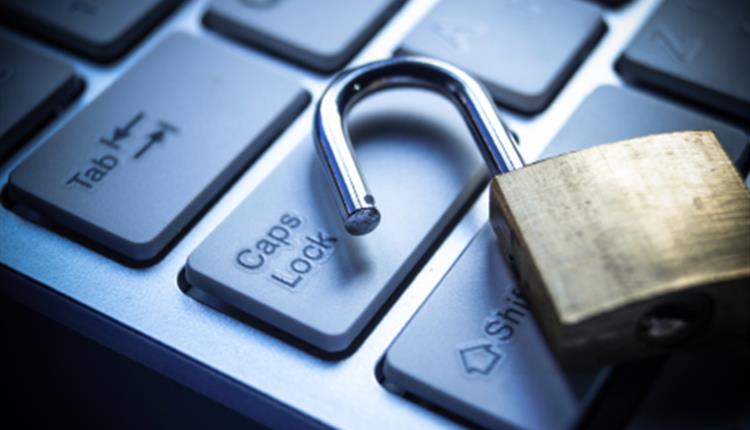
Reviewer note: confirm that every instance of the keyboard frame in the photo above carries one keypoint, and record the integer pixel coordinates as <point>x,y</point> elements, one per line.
<point>143,314</point>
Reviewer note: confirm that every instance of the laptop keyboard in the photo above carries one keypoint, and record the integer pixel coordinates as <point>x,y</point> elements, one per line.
<point>178,194</point>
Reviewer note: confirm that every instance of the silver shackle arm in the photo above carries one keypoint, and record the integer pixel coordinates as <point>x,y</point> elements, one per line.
<point>356,204</point>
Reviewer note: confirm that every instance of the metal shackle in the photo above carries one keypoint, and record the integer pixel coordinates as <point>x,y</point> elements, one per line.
<point>356,204</point>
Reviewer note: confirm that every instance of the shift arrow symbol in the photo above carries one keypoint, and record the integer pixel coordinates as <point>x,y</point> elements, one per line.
<point>480,359</point>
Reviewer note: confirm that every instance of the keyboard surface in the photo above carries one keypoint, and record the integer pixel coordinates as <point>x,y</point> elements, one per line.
<point>172,209</point>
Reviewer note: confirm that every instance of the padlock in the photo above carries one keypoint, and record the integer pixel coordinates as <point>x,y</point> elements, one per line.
<point>630,248</point>
<point>622,250</point>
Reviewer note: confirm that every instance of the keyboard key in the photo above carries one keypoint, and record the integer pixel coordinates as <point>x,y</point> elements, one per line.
<point>33,87</point>
<point>284,257</point>
<point>696,49</point>
<point>99,29</point>
<point>323,34</point>
<point>154,149</point>
<point>474,349</point>
<point>523,51</point>
<point>610,114</point>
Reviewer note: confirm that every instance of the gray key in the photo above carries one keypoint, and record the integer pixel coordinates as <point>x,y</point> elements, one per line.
<point>610,114</point>
<point>33,86</point>
<point>696,49</point>
<point>474,349</point>
<point>99,29</point>
<point>322,34</point>
<point>523,51</point>
<point>142,160</point>
<point>283,255</point>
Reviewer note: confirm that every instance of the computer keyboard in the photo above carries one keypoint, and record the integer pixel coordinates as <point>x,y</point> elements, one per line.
<point>170,204</point>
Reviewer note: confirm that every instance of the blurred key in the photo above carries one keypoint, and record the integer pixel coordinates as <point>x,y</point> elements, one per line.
<point>474,349</point>
<point>32,87</point>
<point>99,29</point>
<point>283,255</point>
<point>156,147</point>
<point>523,50</point>
<point>610,114</point>
<point>322,34</point>
<point>696,49</point>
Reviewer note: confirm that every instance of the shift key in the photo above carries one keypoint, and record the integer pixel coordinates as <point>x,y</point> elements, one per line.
<point>474,349</point>
<point>134,168</point>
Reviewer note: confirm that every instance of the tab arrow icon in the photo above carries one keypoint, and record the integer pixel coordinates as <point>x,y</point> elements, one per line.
<point>153,138</point>
<point>156,137</point>
<point>480,359</point>
<point>123,132</point>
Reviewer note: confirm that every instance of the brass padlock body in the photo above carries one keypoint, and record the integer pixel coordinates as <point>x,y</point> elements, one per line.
<point>630,248</point>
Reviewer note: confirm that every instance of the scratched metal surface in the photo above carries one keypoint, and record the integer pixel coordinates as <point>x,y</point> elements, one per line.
<point>243,366</point>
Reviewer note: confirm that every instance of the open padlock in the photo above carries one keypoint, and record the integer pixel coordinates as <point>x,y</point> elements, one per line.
<point>622,250</point>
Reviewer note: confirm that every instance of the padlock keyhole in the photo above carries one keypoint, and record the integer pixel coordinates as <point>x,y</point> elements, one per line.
<point>675,322</point>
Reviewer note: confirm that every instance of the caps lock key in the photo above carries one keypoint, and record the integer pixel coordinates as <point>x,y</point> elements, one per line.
<point>139,163</point>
